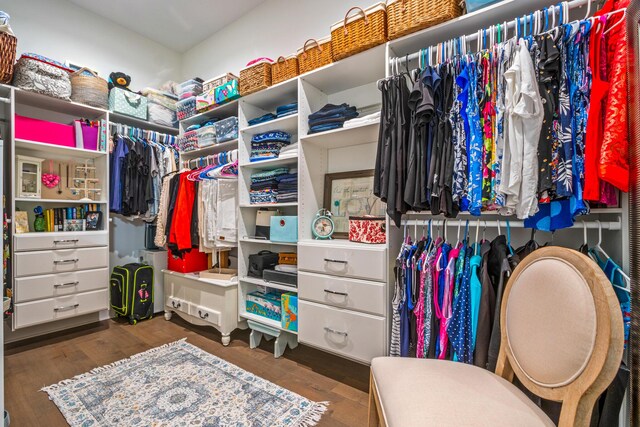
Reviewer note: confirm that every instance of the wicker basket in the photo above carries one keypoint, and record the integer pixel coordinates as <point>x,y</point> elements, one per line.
<point>89,89</point>
<point>255,77</point>
<point>359,32</point>
<point>8,44</point>
<point>408,16</point>
<point>315,55</point>
<point>284,69</point>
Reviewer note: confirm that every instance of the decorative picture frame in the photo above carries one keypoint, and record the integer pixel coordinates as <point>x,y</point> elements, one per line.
<point>350,194</point>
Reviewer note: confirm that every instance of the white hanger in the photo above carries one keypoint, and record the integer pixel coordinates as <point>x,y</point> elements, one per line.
<point>624,14</point>
<point>584,230</point>
<point>499,231</point>
<point>588,10</point>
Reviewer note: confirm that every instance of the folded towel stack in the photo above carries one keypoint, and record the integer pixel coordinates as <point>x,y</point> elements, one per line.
<point>331,117</point>
<point>365,120</point>
<point>267,145</point>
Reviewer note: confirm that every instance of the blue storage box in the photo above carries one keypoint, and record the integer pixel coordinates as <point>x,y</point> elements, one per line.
<point>227,92</point>
<point>226,129</point>
<point>284,229</point>
<point>290,311</point>
<point>267,305</point>
<point>473,5</point>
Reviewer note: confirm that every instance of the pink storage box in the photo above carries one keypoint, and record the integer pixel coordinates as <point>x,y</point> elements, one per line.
<point>44,131</point>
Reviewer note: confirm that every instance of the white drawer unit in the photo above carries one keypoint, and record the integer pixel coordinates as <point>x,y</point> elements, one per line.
<point>51,309</point>
<point>369,263</point>
<point>354,294</point>
<point>56,285</point>
<point>202,302</point>
<point>354,335</point>
<point>65,240</point>
<point>60,261</point>
<point>205,314</point>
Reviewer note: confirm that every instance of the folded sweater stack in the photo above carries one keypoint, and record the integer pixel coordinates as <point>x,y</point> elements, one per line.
<point>331,117</point>
<point>264,186</point>
<point>267,145</point>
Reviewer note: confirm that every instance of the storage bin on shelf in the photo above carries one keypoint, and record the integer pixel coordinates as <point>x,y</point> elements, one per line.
<point>290,311</point>
<point>217,81</point>
<point>408,16</point>
<point>188,141</point>
<point>473,5</point>
<point>284,69</point>
<point>226,129</point>
<point>268,305</point>
<point>89,88</point>
<point>357,33</point>
<point>314,54</point>
<point>255,77</point>
<point>190,88</point>
<point>128,103</point>
<point>44,131</point>
<point>36,73</point>
<point>186,108</point>
<point>219,95</point>
<point>8,43</point>
<point>206,135</point>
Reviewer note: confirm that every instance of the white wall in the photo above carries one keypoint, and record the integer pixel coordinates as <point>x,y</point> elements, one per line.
<point>63,31</point>
<point>276,27</point>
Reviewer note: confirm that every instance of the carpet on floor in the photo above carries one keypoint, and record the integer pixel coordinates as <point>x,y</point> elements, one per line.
<point>179,384</point>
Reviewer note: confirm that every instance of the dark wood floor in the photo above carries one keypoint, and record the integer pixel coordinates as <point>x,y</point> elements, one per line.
<point>313,374</point>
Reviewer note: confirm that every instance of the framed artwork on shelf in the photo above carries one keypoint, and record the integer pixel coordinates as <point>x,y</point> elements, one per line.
<point>93,220</point>
<point>350,194</point>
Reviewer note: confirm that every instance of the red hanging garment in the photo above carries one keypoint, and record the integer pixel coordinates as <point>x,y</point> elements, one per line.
<point>614,153</point>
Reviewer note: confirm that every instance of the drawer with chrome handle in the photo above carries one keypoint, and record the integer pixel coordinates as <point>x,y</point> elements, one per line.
<point>347,333</point>
<point>60,261</point>
<point>51,309</point>
<point>354,294</point>
<point>64,240</point>
<point>342,260</point>
<point>52,285</point>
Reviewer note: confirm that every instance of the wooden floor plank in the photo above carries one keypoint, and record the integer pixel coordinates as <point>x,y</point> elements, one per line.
<point>311,373</point>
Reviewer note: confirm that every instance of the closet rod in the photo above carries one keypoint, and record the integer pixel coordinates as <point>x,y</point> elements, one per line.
<point>578,225</point>
<point>573,4</point>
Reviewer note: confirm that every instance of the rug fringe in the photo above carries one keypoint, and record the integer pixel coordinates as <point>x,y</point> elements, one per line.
<point>312,418</point>
<point>54,387</point>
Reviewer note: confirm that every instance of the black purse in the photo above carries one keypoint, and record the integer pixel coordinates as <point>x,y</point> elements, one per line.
<point>261,261</point>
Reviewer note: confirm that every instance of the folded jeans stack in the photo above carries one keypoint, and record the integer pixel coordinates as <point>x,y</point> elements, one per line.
<point>288,187</point>
<point>267,145</point>
<point>287,110</point>
<point>331,117</point>
<point>264,186</point>
<point>262,119</point>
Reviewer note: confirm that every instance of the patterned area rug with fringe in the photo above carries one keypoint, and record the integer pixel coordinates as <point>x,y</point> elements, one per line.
<point>179,384</point>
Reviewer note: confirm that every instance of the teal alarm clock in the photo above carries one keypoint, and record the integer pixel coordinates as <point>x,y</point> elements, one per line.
<point>323,226</point>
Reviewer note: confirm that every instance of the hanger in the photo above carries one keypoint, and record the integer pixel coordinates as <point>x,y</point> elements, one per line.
<point>620,21</point>
<point>499,230</point>
<point>588,10</point>
<point>584,231</point>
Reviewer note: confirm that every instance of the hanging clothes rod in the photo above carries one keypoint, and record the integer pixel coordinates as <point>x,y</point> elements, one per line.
<point>593,225</point>
<point>573,4</point>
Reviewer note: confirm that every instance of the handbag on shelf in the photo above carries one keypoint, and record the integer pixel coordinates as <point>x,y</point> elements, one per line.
<point>263,260</point>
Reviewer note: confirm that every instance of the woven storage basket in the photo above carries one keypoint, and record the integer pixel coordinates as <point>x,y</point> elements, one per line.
<point>255,77</point>
<point>359,32</point>
<point>284,69</point>
<point>89,89</point>
<point>8,44</point>
<point>408,16</point>
<point>315,55</point>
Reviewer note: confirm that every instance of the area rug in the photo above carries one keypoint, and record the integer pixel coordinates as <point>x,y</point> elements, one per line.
<point>179,384</point>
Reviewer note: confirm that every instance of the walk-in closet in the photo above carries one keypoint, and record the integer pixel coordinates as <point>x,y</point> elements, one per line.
<point>299,213</point>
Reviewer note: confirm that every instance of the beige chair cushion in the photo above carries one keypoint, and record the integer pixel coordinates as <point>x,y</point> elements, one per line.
<point>422,392</point>
<point>551,322</point>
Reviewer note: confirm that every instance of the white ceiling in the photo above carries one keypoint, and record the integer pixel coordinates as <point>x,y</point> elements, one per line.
<point>177,24</point>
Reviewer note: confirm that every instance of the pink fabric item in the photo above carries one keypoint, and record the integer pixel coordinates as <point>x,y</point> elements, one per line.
<point>43,131</point>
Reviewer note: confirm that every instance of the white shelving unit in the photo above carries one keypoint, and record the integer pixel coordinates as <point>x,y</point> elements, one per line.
<point>253,106</point>
<point>59,279</point>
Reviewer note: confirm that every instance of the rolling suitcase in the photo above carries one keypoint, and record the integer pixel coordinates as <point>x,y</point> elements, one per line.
<point>132,291</point>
